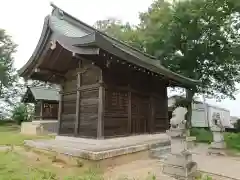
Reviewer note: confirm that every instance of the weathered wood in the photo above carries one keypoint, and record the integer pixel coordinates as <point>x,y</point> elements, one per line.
<point>41,110</point>
<point>152,116</point>
<point>91,93</point>
<point>77,120</point>
<point>114,101</point>
<point>89,87</point>
<point>129,112</point>
<point>92,75</point>
<point>60,109</point>
<point>101,107</point>
<point>37,109</point>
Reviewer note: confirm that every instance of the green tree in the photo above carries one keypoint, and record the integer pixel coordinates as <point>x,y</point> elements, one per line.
<point>8,74</point>
<point>22,113</point>
<point>121,31</point>
<point>198,39</point>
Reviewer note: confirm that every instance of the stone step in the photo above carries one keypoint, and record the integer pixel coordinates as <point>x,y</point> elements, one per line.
<point>160,144</point>
<point>160,152</point>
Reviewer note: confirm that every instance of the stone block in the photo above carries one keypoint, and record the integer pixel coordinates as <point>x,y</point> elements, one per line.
<point>178,145</point>
<point>159,152</point>
<point>181,172</point>
<point>179,159</point>
<point>39,127</point>
<point>218,145</point>
<point>218,136</point>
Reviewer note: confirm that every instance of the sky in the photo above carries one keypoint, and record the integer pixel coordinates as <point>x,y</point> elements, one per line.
<point>23,20</point>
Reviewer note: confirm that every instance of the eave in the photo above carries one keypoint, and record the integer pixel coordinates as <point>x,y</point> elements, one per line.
<point>45,35</point>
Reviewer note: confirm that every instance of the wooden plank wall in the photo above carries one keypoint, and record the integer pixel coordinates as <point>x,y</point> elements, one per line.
<point>135,104</point>
<point>88,105</point>
<point>116,113</point>
<point>89,100</point>
<point>37,110</point>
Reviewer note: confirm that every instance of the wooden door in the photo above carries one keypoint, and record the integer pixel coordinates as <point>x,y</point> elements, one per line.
<point>140,114</point>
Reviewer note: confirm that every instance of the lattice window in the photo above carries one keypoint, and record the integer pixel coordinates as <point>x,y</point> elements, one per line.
<point>117,101</point>
<point>48,109</point>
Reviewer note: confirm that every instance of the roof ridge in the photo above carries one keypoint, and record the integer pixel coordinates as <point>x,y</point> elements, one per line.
<point>102,33</point>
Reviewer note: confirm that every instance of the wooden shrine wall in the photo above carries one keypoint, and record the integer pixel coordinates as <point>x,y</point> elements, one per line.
<point>88,110</point>
<point>37,110</point>
<point>50,110</point>
<point>135,103</point>
<point>116,112</point>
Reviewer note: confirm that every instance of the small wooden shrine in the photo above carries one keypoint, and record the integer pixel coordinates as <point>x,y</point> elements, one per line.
<point>45,102</point>
<point>108,88</point>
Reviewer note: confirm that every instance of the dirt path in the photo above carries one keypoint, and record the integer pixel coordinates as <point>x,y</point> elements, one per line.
<point>137,170</point>
<point>220,167</point>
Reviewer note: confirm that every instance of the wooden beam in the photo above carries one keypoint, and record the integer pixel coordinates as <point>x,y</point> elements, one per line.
<point>60,108</point>
<point>41,109</point>
<point>53,61</point>
<point>77,120</point>
<point>152,117</point>
<point>129,112</point>
<point>49,71</point>
<point>101,108</point>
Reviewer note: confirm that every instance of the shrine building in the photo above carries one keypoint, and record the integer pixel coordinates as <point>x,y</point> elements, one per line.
<point>108,88</point>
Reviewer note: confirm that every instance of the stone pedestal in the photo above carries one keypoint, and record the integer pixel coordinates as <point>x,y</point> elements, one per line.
<point>218,145</point>
<point>39,127</point>
<point>218,141</point>
<point>179,163</point>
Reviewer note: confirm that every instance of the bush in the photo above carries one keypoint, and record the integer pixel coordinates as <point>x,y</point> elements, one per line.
<point>20,113</point>
<point>232,140</point>
<point>202,135</point>
<point>237,125</point>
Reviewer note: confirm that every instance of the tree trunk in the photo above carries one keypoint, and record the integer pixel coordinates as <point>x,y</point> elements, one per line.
<point>189,96</point>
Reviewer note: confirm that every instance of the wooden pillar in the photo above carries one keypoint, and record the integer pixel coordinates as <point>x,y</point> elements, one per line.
<point>152,116</point>
<point>129,110</point>
<point>101,108</point>
<point>78,100</point>
<point>41,109</point>
<point>60,108</point>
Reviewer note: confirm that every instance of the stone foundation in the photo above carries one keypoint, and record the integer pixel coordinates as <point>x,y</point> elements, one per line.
<point>39,127</point>
<point>107,152</point>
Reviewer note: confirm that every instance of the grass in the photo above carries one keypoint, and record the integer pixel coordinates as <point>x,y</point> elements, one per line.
<point>202,135</point>
<point>232,140</point>
<point>13,166</point>
<point>18,164</point>
<point>9,135</point>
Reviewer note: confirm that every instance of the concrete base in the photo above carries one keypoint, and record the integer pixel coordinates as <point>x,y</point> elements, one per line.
<point>107,150</point>
<point>179,163</point>
<point>39,127</point>
<point>180,172</point>
<point>218,145</point>
<point>217,148</point>
<point>180,166</point>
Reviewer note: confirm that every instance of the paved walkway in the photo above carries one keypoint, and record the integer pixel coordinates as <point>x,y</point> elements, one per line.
<point>221,165</point>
